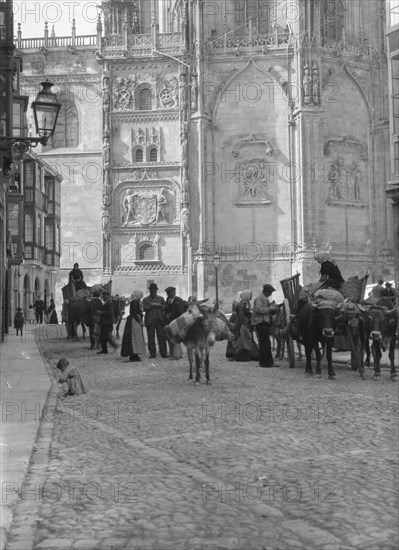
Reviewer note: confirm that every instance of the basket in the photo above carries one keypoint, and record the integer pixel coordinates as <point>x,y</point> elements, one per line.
<point>291,290</point>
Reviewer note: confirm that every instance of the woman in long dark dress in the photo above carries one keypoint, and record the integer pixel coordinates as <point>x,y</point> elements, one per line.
<point>133,344</point>
<point>52,314</point>
<point>242,347</point>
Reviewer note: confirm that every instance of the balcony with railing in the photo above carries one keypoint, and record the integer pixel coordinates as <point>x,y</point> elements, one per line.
<point>248,39</point>
<point>52,42</point>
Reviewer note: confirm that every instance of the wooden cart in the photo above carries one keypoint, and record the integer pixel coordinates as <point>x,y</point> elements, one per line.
<point>291,290</point>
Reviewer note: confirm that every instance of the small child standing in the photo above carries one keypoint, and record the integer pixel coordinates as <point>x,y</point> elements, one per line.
<point>19,320</point>
<point>72,377</point>
<point>30,315</point>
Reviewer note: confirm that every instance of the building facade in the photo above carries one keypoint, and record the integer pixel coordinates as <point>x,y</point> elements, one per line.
<point>258,130</point>
<point>393,86</point>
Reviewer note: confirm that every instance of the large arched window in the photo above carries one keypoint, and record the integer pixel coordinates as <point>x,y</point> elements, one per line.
<point>139,157</point>
<point>66,132</point>
<point>145,100</point>
<point>146,252</point>
<point>153,154</point>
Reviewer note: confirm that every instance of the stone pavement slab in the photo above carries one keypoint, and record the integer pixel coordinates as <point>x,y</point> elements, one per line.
<point>25,384</point>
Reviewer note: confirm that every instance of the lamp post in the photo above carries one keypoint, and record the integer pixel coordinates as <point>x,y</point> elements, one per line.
<point>216,262</point>
<point>45,110</point>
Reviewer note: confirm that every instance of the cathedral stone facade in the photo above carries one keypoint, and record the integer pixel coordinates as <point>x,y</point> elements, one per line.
<point>255,129</point>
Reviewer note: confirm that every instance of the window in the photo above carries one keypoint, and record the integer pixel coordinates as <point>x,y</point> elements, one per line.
<point>332,18</point>
<point>39,230</point>
<point>146,252</point>
<point>153,154</point>
<point>393,12</point>
<point>66,132</point>
<point>13,219</point>
<point>139,155</point>
<point>145,100</point>
<point>28,228</point>
<point>29,174</point>
<point>395,111</point>
<point>49,236</point>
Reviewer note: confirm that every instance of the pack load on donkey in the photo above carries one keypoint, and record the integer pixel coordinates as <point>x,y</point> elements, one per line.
<point>313,314</point>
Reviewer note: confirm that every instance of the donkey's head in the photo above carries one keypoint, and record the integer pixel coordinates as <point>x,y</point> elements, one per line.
<point>209,323</point>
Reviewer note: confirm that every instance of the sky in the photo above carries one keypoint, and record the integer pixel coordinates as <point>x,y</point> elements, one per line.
<point>32,15</point>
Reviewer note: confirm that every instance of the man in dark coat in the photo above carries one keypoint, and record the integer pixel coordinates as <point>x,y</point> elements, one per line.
<point>95,305</point>
<point>38,306</point>
<point>175,306</point>
<point>261,318</point>
<point>107,323</point>
<point>154,308</point>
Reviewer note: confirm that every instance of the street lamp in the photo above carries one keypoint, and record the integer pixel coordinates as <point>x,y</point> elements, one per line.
<point>216,262</point>
<point>45,110</point>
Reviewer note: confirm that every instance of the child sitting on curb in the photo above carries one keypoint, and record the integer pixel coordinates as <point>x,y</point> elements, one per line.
<point>72,377</point>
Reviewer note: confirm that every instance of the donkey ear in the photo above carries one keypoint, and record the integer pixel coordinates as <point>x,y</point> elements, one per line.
<point>215,308</point>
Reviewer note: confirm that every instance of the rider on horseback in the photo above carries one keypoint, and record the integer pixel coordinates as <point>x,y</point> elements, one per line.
<point>76,276</point>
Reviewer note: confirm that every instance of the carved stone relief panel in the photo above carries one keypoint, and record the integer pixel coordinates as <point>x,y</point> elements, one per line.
<point>124,92</point>
<point>147,206</point>
<point>148,140</point>
<point>251,169</point>
<point>345,173</point>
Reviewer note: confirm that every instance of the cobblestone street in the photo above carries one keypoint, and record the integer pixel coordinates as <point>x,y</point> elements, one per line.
<point>261,459</point>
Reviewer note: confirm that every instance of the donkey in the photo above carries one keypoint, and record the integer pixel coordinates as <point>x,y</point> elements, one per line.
<point>201,337</point>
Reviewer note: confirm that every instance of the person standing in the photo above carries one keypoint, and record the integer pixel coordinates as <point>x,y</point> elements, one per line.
<point>19,320</point>
<point>30,315</point>
<point>53,319</point>
<point>95,305</point>
<point>174,308</point>
<point>154,308</point>
<point>378,289</point>
<point>38,306</point>
<point>263,307</point>
<point>133,344</point>
<point>107,323</point>
<point>388,291</point>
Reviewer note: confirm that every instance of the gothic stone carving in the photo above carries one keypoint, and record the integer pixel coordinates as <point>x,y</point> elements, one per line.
<point>169,91</point>
<point>147,208</point>
<point>346,172</point>
<point>252,169</point>
<point>311,85</point>
<point>123,92</point>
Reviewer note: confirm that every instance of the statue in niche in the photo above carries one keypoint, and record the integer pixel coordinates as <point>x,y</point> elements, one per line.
<point>128,206</point>
<point>161,206</point>
<point>315,85</point>
<point>106,224</point>
<point>140,136</point>
<point>106,149</point>
<point>185,221</point>
<point>106,102</point>
<point>184,145</point>
<point>307,85</point>
<point>194,92</point>
<point>183,91</point>
<point>358,179</point>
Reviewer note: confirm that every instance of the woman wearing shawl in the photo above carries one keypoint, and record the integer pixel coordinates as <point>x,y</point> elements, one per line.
<point>52,314</point>
<point>133,339</point>
<point>242,348</point>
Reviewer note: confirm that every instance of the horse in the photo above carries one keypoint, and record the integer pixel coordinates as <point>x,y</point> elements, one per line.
<point>201,337</point>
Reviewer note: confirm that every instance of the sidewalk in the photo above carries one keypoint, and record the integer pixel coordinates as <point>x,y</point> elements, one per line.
<point>25,386</point>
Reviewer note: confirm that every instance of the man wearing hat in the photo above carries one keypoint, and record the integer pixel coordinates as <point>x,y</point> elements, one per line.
<point>388,290</point>
<point>261,319</point>
<point>174,308</point>
<point>106,323</point>
<point>154,308</point>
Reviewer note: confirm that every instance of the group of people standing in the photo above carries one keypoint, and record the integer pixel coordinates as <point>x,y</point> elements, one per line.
<point>35,314</point>
<point>153,312</point>
<point>246,321</point>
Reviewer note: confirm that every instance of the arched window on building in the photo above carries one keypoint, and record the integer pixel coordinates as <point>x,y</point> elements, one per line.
<point>146,252</point>
<point>145,100</point>
<point>139,156</point>
<point>153,156</point>
<point>66,132</point>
